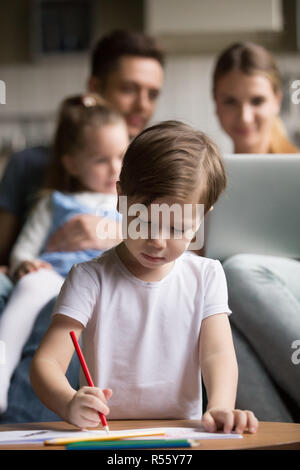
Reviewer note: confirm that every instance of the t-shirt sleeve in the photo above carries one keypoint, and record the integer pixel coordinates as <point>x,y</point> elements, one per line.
<point>33,234</point>
<point>215,290</point>
<point>78,295</point>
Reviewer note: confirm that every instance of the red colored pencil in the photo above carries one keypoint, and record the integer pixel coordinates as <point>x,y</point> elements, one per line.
<point>87,375</point>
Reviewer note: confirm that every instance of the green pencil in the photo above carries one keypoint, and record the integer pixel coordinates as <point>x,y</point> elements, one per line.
<point>130,444</point>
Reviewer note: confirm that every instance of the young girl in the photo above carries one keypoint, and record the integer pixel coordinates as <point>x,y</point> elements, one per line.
<point>89,145</point>
<point>152,314</point>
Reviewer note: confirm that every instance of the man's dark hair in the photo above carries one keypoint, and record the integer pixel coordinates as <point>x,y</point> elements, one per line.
<point>121,43</point>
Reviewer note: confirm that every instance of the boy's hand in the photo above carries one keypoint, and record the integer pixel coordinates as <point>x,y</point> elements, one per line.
<point>85,404</point>
<point>29,266</point>
<point>228,420</point>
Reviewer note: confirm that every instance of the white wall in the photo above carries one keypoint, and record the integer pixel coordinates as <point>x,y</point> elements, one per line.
<point>192,16</point>
<point>33,94</point>
<point>186,94</point>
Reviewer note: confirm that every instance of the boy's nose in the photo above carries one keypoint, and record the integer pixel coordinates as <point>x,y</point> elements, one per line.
<point>156,241</point>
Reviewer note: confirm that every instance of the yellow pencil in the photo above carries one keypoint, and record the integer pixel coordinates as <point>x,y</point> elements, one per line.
<point>67,440</point>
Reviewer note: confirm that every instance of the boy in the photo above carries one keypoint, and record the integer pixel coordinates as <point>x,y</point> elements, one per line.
<point>151,313</point>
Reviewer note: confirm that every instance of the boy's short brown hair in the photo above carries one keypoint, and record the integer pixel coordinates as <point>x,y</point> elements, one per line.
<point>173,159</point>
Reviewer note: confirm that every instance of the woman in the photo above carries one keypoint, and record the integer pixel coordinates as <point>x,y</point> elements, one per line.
<point>264,291</point>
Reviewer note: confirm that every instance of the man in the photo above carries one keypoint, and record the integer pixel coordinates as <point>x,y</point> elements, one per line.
<point>127,70</point>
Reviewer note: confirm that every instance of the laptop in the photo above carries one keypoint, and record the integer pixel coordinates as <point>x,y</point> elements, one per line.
<point>259,212</point>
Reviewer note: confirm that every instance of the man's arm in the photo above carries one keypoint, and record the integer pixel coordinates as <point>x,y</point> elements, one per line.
<point>11,201</point>
<point>22,176</point>
<point>80,233</point>
<point>10,226</point>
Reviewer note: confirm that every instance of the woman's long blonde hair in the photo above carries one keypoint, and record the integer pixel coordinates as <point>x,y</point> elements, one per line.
<point>253,59</point>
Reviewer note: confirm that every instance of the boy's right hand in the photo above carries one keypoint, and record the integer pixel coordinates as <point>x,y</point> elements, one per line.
<point>86,403</point>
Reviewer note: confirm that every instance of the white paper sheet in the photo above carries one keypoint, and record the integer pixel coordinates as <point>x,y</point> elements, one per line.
<point>194,433</point>
<point>35,436</point>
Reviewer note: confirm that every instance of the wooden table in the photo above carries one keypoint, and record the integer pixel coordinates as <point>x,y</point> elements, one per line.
<point>269,436</point>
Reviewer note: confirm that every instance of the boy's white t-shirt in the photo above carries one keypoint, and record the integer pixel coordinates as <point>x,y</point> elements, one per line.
<point>141,339</point>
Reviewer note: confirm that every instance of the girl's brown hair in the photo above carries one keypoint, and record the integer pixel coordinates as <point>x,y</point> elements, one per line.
<point>75,115</point>
<point>172,159</point>
<point>253,59</point>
